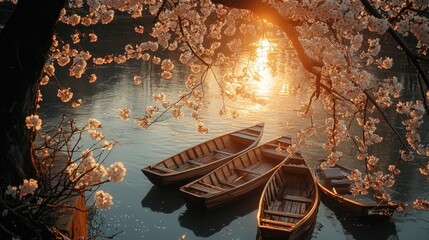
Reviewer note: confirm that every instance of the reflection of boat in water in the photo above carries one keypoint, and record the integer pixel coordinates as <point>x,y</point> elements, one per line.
<point>206,223</point>
<point>163,199</point>
<point>366,228</point>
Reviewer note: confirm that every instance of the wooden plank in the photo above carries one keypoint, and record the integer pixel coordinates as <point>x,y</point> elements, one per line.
<point>255,128</point>
<point>297,198</point>
<point>274,222</point>
<point>341,182</point>
<point>284,214</point>
<point>211,186</point>
<point>243,138</point>
<point>250,133</point>
<point>333,173</point>
<point>201,188</point>
<point>228,184</point>
<point>272,153</point>
<point>285,140</point>
<point>247,171</point>
<point>195,162</point>
<point>163,169</point>
<point>222,152</point>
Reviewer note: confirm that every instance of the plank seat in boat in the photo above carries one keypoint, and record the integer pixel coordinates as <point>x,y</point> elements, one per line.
<point>163,169</point>
<point>211,186</point>
<point>256,129</point>
<point>272,153</point>
<point>333,173</point>
<point>341,182</point>
<point>194,162</point>
<point>243,137</point>
<point>297,198</point>
<point>203,189</point>
<point>222,152</point>
<point>228,184</point>
<point>247,171</point>
<point>284,214</point>
<point>273,222</point>
<point>287,141</point>
<point>250,133</point>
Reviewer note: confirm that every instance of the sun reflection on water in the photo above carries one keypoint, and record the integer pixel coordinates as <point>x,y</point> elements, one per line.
<point>263,72</point>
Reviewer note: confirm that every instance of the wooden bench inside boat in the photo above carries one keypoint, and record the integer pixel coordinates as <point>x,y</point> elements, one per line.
<point>284,214</point>
<point>243,170</point>
<point>274,222</point>
<point>222,152</point>
<point>243,138</point>
<point>195,162</point>
<point>163,169</point>
<point>202,188</point>
<point>272,153</point>
<point>341,182</point>
<point>297,198</point>
<point>333,173</point>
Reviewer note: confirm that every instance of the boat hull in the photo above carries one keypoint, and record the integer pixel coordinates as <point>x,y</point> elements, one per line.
<point>241,176</point>
<point>289,203</point>
<point>202,158</point>
<point>340,197</point>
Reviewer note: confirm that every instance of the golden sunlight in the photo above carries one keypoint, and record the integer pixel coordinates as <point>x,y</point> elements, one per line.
<point>262,67</point>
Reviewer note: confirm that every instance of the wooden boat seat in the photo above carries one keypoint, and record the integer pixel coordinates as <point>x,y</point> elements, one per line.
<point>296,168</point>
<point>163,169</point>
<point>250,133</point>
<point>297,198</point>
<point>228,184</point>
<point>284,214</point>
<point>287,141</point>
<point>247,171</point>
<point>222,152</point>
<point>333,173</point>
<point>341,182</point>
<point>272,153</point>
<point>203,189</point>
<point>194,162</point>
<point>240,137</point>
<point>211,186</point>
<point>273,222</point>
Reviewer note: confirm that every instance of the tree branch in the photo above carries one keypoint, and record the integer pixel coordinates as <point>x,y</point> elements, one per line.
<point>270,14</point>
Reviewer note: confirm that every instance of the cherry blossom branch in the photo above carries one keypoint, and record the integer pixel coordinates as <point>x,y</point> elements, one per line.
<point>264,11</point>
<point>374,12</point>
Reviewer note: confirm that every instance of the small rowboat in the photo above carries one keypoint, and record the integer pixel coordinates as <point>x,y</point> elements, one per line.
<point>237,178</point>
<point>335,188</point>
<point>289,202</point>
<point>202,158</point>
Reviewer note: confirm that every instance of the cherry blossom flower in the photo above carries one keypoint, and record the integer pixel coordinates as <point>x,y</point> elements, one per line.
<point>33,122</point>
<point>116,172</point>
<point>103,200</point>
<point>27,187</point>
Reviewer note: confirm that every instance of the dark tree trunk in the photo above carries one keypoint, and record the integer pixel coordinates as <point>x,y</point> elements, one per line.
<point>24,44</point>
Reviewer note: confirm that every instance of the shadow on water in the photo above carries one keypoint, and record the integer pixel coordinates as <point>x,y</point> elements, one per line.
<point>163,199</point>
<point>379,228</point>
<point>205,223</point>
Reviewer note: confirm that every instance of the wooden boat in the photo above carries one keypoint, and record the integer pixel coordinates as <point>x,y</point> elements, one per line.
<point>202,158</point>
<point>289,202</point>
<point>335,188</point>
<point>236,178</point>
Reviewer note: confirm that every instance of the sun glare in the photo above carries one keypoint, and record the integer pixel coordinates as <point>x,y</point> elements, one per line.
<point>264,76</point>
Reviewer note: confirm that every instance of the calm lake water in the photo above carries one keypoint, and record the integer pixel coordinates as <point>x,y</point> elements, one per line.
<point>144,211</point>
